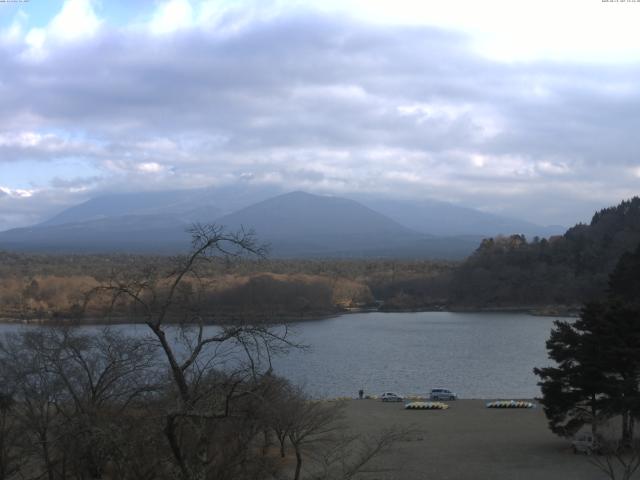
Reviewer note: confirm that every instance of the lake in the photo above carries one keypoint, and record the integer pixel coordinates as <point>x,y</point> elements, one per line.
<point>477,355</point>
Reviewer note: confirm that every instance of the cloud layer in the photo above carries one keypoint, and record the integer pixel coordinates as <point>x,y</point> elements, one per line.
<point>308,101</point>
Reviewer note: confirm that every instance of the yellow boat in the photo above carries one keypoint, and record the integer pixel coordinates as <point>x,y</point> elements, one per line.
<point>426,406</point>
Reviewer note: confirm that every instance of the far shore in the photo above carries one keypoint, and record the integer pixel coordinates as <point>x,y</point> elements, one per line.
<point>535,310</point>
<point>546,311</point>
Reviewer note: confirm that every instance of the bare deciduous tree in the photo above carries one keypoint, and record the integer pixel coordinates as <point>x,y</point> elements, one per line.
<point>70,388</point>
<point>616,459</point>
<point>213,370</point>
<point>349,455</point>
<point>10,453</point>
<point>180,400</point>
<point>319,439</point>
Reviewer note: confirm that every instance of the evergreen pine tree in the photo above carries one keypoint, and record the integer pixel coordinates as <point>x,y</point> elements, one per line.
<point>597,357</point>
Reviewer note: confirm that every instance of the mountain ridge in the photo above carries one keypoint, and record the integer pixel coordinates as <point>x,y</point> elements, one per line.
<point>296,224</point>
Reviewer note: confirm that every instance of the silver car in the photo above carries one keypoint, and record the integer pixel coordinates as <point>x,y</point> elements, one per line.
<point>442,394</point>
<point>390,397</point>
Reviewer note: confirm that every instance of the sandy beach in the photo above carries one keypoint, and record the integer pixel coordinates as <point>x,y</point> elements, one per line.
<point>470,442</point>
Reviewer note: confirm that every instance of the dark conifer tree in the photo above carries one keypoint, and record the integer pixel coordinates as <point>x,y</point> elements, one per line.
<point>597,357</point>
<point>573,391</point>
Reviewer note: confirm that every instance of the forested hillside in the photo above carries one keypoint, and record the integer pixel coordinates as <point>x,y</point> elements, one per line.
<point>563,270</point>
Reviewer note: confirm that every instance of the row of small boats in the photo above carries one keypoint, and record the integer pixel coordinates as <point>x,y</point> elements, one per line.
<point>510,404</point>
<point>444,406</point>
<point>426,406</point>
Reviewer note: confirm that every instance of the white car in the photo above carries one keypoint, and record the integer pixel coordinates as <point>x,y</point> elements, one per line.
<point>390,397</point>
<point>442,394</point>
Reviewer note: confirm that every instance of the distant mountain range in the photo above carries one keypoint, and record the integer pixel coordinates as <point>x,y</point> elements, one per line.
<point>446,219</point>
<point>295,224</point>
<point>203,204</point>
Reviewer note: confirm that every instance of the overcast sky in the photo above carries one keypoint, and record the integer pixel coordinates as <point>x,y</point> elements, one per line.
<point>530,109</point>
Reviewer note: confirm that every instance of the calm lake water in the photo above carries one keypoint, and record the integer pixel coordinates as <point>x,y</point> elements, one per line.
<point>477,355</point>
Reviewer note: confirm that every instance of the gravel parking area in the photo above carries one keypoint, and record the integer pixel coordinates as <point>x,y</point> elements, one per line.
<point>470,441</point>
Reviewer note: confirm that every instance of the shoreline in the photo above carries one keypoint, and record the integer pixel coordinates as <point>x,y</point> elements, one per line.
<point>425,398</point>
<point>534,310</point>
<point>551,311</point>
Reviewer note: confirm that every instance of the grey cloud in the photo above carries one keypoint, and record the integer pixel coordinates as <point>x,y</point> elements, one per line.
<point>77,183</point>
<point>23,211</point>
<point>330,104</point>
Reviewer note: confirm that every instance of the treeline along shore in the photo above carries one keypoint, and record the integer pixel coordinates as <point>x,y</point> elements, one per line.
<point>542,275</point>
<point>55,287</point>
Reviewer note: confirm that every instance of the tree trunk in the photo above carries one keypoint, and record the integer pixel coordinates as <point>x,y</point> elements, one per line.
<point>170,433</point>
<point>4,459</point>
<point>267,442</point>
<point>626,431</point>
<point>298,463</point>
<point>47,461</point>
<point>282,440</point>
<point>178,374</point>
<point>594,413</point>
